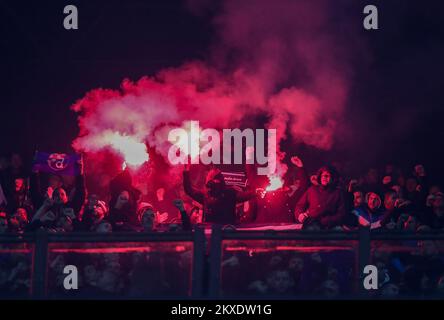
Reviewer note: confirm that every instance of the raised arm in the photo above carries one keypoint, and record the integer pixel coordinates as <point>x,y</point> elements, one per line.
<point>186,222</point>
<point>194,193</point>
<point>80,194</point>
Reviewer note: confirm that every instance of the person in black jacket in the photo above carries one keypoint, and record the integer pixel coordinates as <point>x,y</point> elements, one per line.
<point>19,197</point>
<point>323,204</point>
<point>123,203</point>
<point>218,200</point>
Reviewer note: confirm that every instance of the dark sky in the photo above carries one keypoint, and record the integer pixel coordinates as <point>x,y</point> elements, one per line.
<point>395,110</point>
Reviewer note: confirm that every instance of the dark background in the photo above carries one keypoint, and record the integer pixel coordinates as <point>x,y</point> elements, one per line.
<point>394,112</point>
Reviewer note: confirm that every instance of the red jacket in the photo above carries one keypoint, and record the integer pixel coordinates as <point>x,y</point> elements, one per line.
<point>323,205</point>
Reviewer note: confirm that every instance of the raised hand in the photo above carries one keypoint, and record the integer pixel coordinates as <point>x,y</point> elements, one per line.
<point>297,161</point>
<point>178,203</point>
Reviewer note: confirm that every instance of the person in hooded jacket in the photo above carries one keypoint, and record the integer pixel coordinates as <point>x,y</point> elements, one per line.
<point>323,204</point>
<point>370,214</point>
<point>123,203</point>
<point>218,200</point>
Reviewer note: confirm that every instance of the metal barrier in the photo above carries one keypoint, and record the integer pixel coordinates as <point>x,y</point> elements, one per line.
<point>363,246</point>
<point>42,244</point>
<point>216,269</point>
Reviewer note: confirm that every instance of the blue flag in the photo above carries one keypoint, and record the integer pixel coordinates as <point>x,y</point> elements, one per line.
<point>57,163</point>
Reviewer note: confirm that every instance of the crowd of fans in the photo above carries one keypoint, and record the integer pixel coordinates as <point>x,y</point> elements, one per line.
<point>406,269</point>
<point>64,205</point>
<point>388,200</point>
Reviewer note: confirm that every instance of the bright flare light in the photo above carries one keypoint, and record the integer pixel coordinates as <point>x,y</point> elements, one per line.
<point>275,183</point>
<point>133,151</point>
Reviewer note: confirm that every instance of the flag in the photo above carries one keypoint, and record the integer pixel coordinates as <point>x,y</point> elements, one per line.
<point>57,163</point>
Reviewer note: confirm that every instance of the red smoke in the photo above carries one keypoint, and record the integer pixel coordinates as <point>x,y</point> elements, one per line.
<point>274,58</point>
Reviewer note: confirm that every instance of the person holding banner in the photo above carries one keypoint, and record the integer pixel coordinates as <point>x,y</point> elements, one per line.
<point>218,200</point>
<point>55,200</point>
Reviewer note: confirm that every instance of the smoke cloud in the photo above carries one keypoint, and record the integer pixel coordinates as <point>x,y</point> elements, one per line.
<point>280,60</point>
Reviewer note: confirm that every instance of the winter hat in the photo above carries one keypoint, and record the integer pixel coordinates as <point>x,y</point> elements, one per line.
<point>142,207</point>
<point>102,204</point>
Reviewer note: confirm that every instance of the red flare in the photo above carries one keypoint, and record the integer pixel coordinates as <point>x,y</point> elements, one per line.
<point>275,183</point>
<point>134,152</point>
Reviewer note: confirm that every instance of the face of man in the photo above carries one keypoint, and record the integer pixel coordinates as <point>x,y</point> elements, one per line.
<point>296,263</point>
<point>373,201</point>
<point>438,203</point>
<point>21,215</point>
<point>195,216</point>
<point>148,218</point>
<point>19,184</point>
<point>59,196</point>
<point>419,170</point>
<point>92,201</point>
<point>122,199</point>
<point>98,213</point>
<point>91,274</point>
<point>389,201</point>
<point>325,178</point>
<point>280,281</point>
<point>358,199</point>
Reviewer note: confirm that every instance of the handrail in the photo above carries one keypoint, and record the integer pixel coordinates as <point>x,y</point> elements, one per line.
<point>362,237</point>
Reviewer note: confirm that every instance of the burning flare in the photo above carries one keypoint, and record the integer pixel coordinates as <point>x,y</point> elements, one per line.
<point>275,183</point>
<point>133,151</point>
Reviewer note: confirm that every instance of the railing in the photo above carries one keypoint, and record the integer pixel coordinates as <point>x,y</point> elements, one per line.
<point>44,250</point>
<point>229,264</point>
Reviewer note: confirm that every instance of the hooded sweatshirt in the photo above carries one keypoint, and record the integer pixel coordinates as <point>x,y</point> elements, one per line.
<point>324,205</point>
<point>218,208</point>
